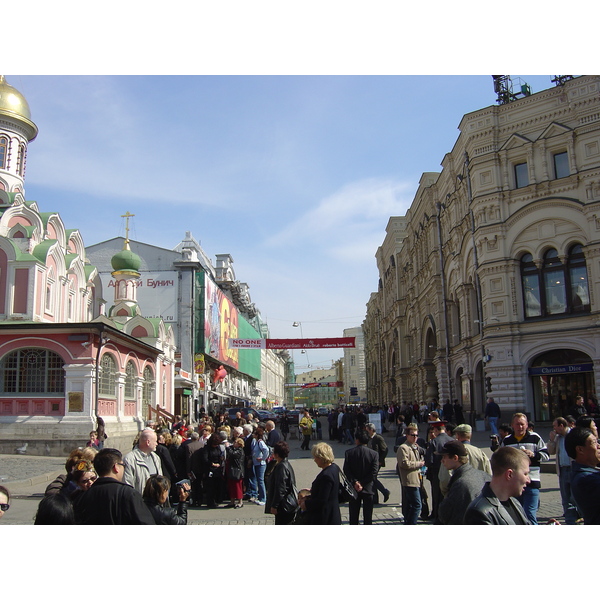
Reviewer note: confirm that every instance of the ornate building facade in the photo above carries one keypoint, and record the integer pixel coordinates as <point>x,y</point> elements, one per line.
<point>355,376</point>
<point>489,284</point>
<point>63,362</point>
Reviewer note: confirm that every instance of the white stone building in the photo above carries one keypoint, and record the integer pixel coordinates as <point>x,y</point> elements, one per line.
<point>489,283</point>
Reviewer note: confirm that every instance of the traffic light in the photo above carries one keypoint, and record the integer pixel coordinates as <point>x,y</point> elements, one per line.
<point>488,384</point>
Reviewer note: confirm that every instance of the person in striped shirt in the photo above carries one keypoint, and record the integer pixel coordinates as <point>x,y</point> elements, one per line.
<point>534,447</point>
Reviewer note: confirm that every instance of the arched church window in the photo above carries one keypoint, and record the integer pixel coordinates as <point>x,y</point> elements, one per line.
<point>108,376</point>
<point>32,371</point>
<point>130,373</point>
<point>3,151</point>
<point>147,387</point>
<point>21,160</point>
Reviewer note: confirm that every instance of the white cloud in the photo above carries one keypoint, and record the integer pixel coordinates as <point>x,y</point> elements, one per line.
<point>351,222</point>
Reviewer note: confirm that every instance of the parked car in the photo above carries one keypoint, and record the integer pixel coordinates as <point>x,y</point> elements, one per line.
<point>267,415</point>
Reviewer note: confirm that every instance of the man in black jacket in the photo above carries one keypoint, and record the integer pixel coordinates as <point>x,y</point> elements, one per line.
<point>360,467</point>
<point>439,437</point>
<point>110,501</point>
<point>377,443</point>
<point>497,503</point>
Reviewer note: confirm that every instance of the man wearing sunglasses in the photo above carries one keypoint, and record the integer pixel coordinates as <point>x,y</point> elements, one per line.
<point>4,500</point>
<point>111,501</point>
<point>410,463</point>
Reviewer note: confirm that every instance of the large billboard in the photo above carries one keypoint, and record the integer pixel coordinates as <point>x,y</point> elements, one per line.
<point>220,324</point>
<point>223,322</point>
<point>156,294</point>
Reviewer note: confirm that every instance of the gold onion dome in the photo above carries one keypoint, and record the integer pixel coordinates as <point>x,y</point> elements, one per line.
<point>13,104</point>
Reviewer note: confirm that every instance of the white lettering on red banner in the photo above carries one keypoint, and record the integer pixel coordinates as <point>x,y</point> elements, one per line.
<point>294,344</point>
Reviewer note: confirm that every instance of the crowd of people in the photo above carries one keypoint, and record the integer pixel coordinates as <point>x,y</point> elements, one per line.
<point>237,459</point>
<point>467,488</point>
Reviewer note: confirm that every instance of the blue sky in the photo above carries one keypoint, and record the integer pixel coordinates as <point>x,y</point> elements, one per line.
<point>285,134</point>
<point>294,176</point>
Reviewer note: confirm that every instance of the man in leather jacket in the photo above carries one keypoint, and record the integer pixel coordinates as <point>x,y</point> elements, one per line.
<point>111,501</point>
<point>497,504</point>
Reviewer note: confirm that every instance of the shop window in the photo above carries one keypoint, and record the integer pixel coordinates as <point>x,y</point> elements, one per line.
<point>578,280</point>
<point>32,371</point>
<point>556,288</point>
<point>108,376</point>
<point>561,165</point>
<point>554,284</point>
<point>530,279</point>
<point>521,175</point>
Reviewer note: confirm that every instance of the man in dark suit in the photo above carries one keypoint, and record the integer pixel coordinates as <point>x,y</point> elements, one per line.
<point>272,434</point>
<point>360,467</point>
<point>377,443</point>
<point>433,461</point>
<point>192,467</point>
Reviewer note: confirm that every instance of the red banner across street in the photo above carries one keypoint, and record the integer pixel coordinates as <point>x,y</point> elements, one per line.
<point>293,344</point>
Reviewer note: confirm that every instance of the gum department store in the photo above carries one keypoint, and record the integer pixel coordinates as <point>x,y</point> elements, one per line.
<point>489,284</point>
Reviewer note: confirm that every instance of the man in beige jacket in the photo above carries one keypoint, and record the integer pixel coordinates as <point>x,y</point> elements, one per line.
<point>410,463</point>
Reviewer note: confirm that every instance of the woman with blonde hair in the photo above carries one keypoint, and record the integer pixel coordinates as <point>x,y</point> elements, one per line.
<point>323,505</point>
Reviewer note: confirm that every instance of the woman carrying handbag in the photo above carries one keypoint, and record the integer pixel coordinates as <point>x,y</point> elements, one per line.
<point>281,487</point>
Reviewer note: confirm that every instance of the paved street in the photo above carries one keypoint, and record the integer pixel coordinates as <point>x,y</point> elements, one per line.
<point>27,477</point>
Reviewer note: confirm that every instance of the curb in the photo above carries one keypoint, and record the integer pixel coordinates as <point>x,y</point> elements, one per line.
<point>32,481</point>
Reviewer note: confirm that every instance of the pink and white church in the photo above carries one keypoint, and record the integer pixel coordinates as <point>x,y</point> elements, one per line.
<point>65,359</point>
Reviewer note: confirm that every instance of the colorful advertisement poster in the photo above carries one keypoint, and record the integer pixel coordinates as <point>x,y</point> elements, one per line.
<point>220,324</point>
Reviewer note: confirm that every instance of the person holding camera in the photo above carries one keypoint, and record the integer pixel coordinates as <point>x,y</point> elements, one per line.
<point>156,496</point>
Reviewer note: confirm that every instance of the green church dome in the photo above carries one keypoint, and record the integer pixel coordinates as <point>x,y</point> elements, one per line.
<point>126,260</point>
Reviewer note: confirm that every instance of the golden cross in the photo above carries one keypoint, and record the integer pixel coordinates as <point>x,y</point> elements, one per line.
<point>126,216</point>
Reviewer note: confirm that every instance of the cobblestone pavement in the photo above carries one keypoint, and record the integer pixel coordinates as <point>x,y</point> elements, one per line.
<point>27,477</point>
<point>20,468</point>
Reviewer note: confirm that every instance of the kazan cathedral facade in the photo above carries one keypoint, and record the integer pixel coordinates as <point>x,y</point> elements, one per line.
<point>65,359</point>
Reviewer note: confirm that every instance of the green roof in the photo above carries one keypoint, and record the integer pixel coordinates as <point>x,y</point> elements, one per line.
<point>42,249</point>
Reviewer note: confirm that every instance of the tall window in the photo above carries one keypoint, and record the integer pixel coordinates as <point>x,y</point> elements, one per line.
<point>521,175</point>
<point>561,165</point>
<point>554,284</point>
<point>3,151</point>
<point>147,386</point>
<point>32,371</point>
<point>108,376</point>
<point>578,281</point>
<point>556,288</point>
<point>21,160</point>
<point>530,279</point>
<point>130,374</point>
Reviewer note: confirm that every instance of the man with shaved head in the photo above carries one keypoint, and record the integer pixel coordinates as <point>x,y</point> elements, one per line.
<point>142,461</point>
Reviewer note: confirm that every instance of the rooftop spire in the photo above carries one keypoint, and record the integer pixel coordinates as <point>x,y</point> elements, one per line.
<point>126,216</point>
